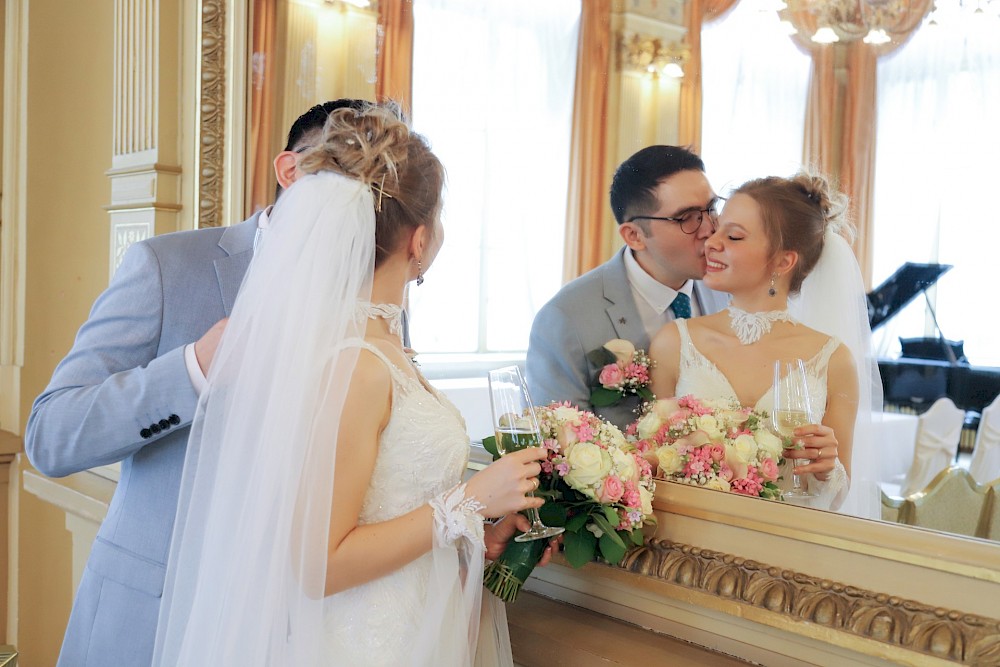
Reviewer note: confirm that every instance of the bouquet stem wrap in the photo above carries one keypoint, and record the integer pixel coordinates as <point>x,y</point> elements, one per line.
<point>505,576</point>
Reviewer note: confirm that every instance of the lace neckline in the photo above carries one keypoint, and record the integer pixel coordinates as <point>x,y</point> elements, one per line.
<point>392,313</point>
<point>751,327</point>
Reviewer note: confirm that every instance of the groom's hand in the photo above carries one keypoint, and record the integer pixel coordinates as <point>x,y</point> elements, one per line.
<point>503,531</point>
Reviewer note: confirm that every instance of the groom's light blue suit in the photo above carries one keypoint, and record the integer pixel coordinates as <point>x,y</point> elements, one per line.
<point>123,394</point>
<point>584,315</point>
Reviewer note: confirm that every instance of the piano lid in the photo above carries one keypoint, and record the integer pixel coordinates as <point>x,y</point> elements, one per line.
<point>901,288</point>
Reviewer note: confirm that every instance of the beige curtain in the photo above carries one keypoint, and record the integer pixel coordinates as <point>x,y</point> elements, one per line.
<point>395,53</point>
<point>262,98</point>
<point>697,13</point>
<point>587,208</point>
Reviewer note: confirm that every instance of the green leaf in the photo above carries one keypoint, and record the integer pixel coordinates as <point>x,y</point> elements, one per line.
<point>608,529</point>
<point>638,539</point>
<point>490,445</point>
<point>646,394</point>
<point>602,398</point>
<point>601,357</point>
<point>576,523</point>
<point>612,547</point>
<point>552,514</point>
<point>579,548</point>
<point>611,515</point>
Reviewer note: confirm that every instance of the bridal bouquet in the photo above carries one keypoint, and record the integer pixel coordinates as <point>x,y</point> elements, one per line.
<point>716,445</point>
<point>624,372</point>
<point>596,484</point>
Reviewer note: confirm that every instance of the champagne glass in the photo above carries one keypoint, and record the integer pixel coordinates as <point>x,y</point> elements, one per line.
<point>791,409</point>
<point>516,427</point>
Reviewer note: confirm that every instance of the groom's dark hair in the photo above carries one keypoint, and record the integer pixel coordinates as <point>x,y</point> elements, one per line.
<point>637,177</point>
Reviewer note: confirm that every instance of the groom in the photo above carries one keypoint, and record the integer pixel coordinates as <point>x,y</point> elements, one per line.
<point>665,208</point>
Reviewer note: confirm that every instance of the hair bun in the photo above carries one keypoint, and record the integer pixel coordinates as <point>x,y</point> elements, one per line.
<point>832,202</point>
<point>369,145</point>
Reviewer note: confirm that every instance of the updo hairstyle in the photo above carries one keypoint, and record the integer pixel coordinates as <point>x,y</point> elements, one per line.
<point>373,145</point>
<point>796,213</point>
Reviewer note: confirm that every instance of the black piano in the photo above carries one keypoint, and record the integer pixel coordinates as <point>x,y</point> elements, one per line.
<point>928,368</point>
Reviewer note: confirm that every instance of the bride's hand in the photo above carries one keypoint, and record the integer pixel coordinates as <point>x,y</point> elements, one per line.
<point>819,445</point>
<point>504,484</point>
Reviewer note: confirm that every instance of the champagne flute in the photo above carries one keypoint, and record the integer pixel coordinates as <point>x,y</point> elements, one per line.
<point>792,409</point>
<point>516,428</point>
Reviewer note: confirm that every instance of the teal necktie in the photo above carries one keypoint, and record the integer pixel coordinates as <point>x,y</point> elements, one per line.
<point>681,306</point>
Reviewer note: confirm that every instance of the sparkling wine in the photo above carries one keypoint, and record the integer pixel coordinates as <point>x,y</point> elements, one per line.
<point>786,421</point>
<point>515,439</point>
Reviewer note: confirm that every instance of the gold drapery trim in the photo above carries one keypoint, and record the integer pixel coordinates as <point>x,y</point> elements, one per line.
<point>394,60</point>
<point>587,213</point>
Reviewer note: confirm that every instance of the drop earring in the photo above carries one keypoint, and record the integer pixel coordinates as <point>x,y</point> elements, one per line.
<point>770,292</point>
<point>420,274</point>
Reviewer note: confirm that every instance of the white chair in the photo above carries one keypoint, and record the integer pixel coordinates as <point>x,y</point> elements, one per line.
<point>937,443</point>
<point>985,465</point>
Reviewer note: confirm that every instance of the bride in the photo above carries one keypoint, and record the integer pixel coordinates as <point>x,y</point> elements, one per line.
<point>778,250</point>
<point>323,519</point>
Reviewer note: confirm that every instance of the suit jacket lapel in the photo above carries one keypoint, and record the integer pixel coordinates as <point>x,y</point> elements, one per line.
<point>237,242</point>
<point>622,311</point>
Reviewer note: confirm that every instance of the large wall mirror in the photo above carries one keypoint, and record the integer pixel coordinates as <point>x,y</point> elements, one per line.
<point>300,52</point>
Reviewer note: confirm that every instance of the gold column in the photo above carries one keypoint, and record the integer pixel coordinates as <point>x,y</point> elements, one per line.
<point>145,165</point>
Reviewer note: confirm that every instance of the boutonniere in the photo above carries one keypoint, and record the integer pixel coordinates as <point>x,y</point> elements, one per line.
<point>624,372</point>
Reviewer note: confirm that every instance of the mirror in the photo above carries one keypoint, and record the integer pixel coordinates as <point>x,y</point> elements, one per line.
<point>306,79</point>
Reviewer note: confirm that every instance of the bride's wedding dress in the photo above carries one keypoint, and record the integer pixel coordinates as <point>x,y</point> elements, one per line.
<point>700,377</point>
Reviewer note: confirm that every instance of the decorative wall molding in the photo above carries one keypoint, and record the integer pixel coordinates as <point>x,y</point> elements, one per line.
<point>212,118</point>
<point>643,53</point>
<point>942,633</point>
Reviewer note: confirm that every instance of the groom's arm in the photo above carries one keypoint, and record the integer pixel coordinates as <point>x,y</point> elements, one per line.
<point>556,363</point>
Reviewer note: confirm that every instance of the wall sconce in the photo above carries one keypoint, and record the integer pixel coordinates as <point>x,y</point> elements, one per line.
<point>652,56</point>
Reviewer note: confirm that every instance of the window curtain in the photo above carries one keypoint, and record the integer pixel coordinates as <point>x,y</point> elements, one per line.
<point>936,168</point>
<point>696,14</point>
<point>394,60</point>
<point>587,214</point>
<point>262,104</point>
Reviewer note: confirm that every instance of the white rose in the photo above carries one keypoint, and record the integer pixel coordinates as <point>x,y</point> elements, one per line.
<point>622,349</point>
<point>718,484</point>
<point>669,460</point>
<point>565,413</point>
<point>746,448</point>
<point>769,442</point>
<point>625,465</point>
<point>588,465</point>
<point>710,426</point>
<point>648,425</point>
<point>646,498</point>
<point>730,418</point>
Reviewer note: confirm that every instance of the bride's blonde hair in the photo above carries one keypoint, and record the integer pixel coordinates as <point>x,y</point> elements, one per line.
<point>797,212</point>
<point>375,146</point>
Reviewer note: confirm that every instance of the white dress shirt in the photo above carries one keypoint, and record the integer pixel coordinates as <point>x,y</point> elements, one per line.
<point>652,298</point>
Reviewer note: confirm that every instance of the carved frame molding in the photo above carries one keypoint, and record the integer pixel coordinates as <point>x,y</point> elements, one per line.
<point>212,117</point>
<point>783,595</point>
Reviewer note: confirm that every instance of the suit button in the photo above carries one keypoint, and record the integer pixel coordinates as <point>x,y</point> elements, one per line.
<point>164,424</point>
<point>174,419</point>
<point>146,433</point>
<point>155,428</point>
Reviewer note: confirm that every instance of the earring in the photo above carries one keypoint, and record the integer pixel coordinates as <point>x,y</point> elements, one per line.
<point>771,291</point>
<point>420,274</point>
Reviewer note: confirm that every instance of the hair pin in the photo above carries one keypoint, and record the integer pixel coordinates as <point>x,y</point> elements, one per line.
<point>380,189</point>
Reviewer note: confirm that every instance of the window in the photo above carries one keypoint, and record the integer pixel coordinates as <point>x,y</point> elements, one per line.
<point>493,92</point>
<point>755,84</point>
<point>936,171</point>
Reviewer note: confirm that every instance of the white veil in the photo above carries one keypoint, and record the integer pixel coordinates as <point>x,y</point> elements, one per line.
<point>832,300</point>
<point>246,575</point>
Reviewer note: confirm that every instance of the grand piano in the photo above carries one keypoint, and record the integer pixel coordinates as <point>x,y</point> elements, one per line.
<point>928,368</point>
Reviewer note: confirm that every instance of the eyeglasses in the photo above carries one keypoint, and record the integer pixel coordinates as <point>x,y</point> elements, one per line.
<point>689,221</point>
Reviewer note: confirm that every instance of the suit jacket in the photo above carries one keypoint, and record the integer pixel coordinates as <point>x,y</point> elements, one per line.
<point>123,394</point>
<point>584,315</point>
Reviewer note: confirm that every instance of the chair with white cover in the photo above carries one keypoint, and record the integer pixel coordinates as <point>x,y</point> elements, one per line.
<point>985,465</point>
<point>937,444</point>
<point>952,502</point>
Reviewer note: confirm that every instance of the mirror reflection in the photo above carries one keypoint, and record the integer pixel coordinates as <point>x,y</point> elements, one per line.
<point>510,121</point>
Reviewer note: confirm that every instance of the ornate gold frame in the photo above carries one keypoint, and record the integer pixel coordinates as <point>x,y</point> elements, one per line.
<point>211,113</point>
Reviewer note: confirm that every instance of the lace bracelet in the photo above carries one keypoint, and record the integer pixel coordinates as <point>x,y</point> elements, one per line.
<point>456,516</point>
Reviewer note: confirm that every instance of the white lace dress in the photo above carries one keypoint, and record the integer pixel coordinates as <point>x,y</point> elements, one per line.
<point>701,378</point>
<point>423,452</point>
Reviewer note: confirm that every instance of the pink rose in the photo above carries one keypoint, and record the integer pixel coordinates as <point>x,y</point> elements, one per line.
<point>611,376</point>
<point>718,452</point>
<point>611,491</point>
<point>769,470</point>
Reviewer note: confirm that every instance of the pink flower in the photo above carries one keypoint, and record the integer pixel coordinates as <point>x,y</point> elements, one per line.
<point>637,372</point>
<point>725,472</point>
<point>611,491</point>
<point>751,485</point>
<point>718,452</point>
<point>631,496</point>
<point>769,470</point>
<point>562,469</point>
<point>632,428</point>
<point>611,376</point>
<point>584,432</point>
<point>546,467</point>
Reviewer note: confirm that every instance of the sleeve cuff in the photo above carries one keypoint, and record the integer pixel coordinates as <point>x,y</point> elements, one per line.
<point>198,381</point>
